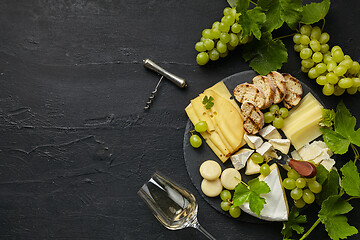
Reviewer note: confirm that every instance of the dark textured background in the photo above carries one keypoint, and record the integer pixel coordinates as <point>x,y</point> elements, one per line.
<point>75,143</point>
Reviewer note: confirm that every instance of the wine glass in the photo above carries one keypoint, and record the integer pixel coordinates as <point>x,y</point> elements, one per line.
<point>172,205</point>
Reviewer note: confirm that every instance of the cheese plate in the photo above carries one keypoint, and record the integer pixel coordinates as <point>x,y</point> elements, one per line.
<point>194,157</point>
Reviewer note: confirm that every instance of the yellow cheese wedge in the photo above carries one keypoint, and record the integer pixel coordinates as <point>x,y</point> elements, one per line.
<point>228,119</point>
<point>312,114</point>
<point>305,134</point>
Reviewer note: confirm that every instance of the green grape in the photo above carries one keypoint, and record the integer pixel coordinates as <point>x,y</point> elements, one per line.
<point>313,73</point>
<point>227,11</point>
<point>235,211</point>
<point>327,59</point>
<point>334,48</point>
<point>347,57</point>
<point>351,90</point>
<point>224,37</point>
<point>308,196</point>
<point>202,58</point>
<point>224,27</point>
<point>308,63</point>
<point>229,19</point>
<point>284,112</point>
<point>306,30</point>
<point>304,39</point>
<point>292,173</point>
<point>244,40</point>
<point>306,53</point>
<point>206,33</point>
<point>321,80</point>
<point>225,206</point>
<point>233,12</point>
<point>229,47</point>
<point>215,33</point>
<point>289,183</point>
<point>340,70</point>
<point>356,82</point>
<point>202,39</point>
<point>320,68</point>
<point>236,28</point>
<point>297,47</point>
<point>331,66</point>
<point>209,44</point>
<point>317,57</point>
<point>310,179</point>
<point>315,33</point>
<point>338,91</point>
<point>199,46</point>
<point>224,54</point>
<point>216,25</point>
<point>274,108</point>
<point>225,195</point>
<point>278,122</point>
<point>328,89</point>
<point>234,40</point>
<point>304,69</point>
<point>338,55</point>
<point>221,47</point>
<point>332,78</point>
<point>296,193</point>
<point>299,203</point>
<point>315,45</point>
<point>265,169</point>
<point>257,158</point>
<point>296,38</point>
<point>315,186</point>
<point>324,38</point>
<point>201,126</point>
<point>327,54</point>
<point>195,141</point>
<point>300,183</point>
<point>268,117</point>
<point>355,68</point>
<point>324,48</point>
<point>214,55</point>
<point>346,63</point>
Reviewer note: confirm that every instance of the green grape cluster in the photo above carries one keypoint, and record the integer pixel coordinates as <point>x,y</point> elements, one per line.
<point>195,140</point>
<point>259,159</point>
<point>276,115</point>
<point>302,190</point>
<point>224,36</point>
<point>227,205</point>
<point>332,69</point>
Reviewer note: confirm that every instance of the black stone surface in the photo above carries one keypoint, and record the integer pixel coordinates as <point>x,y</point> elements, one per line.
<point>76,144</point>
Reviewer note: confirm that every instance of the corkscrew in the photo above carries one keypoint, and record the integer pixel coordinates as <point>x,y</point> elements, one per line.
<point>180,82</point>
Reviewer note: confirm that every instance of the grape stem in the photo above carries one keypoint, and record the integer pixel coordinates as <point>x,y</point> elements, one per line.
<point>356,152</point>
<point>290,35</point>
<point>245,184</point>
<point>253,3</point>
<point>310,230</point>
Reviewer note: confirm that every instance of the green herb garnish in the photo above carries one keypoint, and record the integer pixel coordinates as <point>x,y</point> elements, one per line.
<point>208,102</point>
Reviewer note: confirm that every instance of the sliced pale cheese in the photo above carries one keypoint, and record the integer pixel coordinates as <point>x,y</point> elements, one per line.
<point>210,170</point>
<point>222,90</point>
<point>211,141</point>
<point>276,207</point>
<point>251,167</point>
<point>319,153</point>
<point>253,141</point>
<point>283,145</point>
<point>211,188</point>
<point>308,116</point>
<point>295,155</point>
<point>240,158</point>
<point>308,102</point>
<point>267,150</point>
<point>328,163</point>
<point>202,113</point>
<point>230,177</point>
<point>228,119</point>
<point>270,132</point>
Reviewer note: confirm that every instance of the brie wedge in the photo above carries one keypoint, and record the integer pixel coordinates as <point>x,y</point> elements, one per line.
<point>240,158</point>
<point>253,141</point>
<point>283,145</point>
<point>276,207</point>
<point>270,132</point>
<point>251,167</point>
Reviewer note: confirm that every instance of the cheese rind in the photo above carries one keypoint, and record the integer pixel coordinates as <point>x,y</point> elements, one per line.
<point>253,141</point>
<point>283,145</point>
<point>270,132</point>
<point>251,167</point>
<point>240,158</point>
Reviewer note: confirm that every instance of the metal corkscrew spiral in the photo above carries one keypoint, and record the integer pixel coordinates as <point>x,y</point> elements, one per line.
<point>180,82</point>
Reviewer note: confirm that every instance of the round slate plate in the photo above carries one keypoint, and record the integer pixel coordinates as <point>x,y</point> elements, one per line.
<point>195,157</point>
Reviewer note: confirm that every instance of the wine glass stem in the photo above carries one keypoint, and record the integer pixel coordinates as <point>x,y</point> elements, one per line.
<point>197,225</point>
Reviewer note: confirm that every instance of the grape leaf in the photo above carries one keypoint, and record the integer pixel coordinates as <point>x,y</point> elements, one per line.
<point>328,118</point>
<point>251,194</point>
<point>265,55</point>
<point>344,134</point>
<point>321,174</point>
<point>273,20</point>
<point>314,12</point>
<point>292,224</point>
<point>232,3</point>
<point>351,179</point>
<point>251,22</point>
<point>291,12</point>
<point>242,6</point>
<point>331,216</point>
<point>330,187</point>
